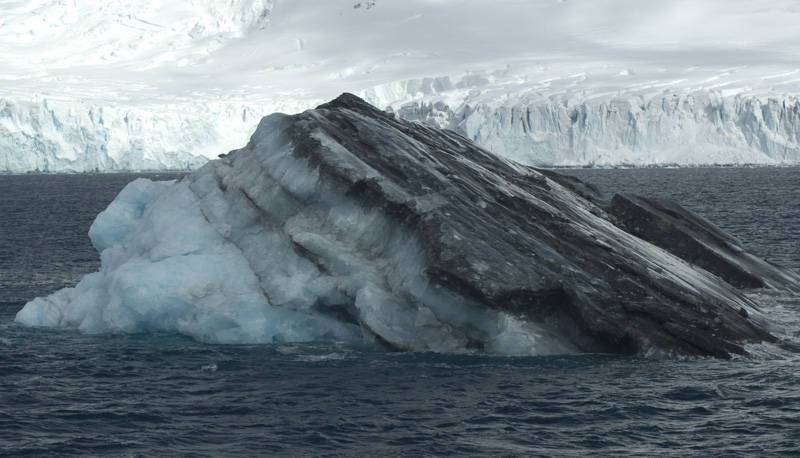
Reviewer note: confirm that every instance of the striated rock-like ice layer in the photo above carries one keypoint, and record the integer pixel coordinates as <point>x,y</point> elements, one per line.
<point>224,267</point>
<point>190,258</point>
<point>345,223</point>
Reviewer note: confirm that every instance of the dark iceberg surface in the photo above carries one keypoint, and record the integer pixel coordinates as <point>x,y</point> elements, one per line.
<point>344,222</point>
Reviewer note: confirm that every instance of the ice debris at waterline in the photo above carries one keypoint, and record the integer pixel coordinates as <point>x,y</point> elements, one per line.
<point>345,223</point>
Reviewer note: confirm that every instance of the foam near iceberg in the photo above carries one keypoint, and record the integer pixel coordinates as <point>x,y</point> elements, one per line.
<point>344,223</point>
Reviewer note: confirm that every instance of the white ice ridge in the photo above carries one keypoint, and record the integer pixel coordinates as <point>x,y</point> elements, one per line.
<point>699,128</point>
<point>216,256</point>
<point>574,82</point>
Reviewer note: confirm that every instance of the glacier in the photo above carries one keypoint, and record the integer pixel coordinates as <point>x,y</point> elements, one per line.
<point>165,85</point>
<point>701,128</point>
<point>344,223</point>
<point>673,128</point>
<point>52,135</point>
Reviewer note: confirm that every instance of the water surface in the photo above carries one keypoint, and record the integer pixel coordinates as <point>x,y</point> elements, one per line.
<point>65,393</point>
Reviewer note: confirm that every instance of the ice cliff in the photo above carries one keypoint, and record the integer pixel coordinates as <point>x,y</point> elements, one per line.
<point>345,223</point>
<point>677,128</point>
<point>51,135</point>
<point>703,128</point>
<point>163,84</point>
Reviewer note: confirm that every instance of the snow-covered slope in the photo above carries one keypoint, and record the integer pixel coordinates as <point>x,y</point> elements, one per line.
<point>543,81</point>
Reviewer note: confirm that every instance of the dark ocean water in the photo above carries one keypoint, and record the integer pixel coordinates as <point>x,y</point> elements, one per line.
<point>64,393</point>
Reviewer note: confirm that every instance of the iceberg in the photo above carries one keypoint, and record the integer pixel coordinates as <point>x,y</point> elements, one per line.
<point>344,223</point>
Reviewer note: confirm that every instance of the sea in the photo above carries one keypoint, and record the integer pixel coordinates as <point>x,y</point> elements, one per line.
<point>63,393</point>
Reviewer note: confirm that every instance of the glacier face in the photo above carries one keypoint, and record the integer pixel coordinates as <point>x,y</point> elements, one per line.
<point>701,128</point>
<point>575,82</point>
<point>49,135</point>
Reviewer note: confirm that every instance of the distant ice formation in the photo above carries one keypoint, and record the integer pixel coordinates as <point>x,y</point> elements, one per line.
<point>57,136</point>
<point>702,128</point>
<point>672,128</point>
<point>167,85</point>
